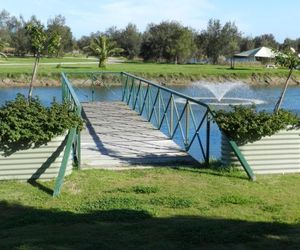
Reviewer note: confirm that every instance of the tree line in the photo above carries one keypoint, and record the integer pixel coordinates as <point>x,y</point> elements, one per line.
<point>168,41</point>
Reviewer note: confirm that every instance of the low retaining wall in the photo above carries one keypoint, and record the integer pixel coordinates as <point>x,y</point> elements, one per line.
<point>35,163</point>
<point>279,153</point>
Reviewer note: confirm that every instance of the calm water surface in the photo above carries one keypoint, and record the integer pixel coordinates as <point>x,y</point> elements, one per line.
<point>266,94</point>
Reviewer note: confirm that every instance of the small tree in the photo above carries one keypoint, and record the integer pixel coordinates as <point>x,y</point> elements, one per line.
<point>102,48</point>
<point>39,43</point>
<point>290,60</point>
<point>2,46</point>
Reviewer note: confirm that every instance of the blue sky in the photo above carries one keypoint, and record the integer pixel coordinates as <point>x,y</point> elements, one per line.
<point>85,16</point>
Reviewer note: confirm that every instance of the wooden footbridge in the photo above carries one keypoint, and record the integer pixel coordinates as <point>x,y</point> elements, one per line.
<point>127,133</point>
<point>116,137</point>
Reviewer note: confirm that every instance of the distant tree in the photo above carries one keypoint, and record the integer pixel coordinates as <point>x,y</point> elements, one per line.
<point>288,43</point>
<point>246,43</point>
<point>19,39</point>
<point>57,26</point>
<point>169,41</point>
<point>220,40</point>
<point>267,40</point>
<point>102,48</point>
<point>291,60</point>
<point>3,44</point>
<point>130,40</point>
<point>84,42</point>
<point>212,38</point>
<point>113,34</point>
<point>200,42</point>
<point>4,20</point>
<point>40,42</point>
<point>230,37</point>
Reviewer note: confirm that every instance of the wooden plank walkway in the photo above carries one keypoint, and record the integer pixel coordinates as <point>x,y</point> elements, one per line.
<point>116,137</point>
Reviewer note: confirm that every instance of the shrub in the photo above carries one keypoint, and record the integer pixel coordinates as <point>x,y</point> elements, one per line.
<point>245,124</point>
<point>23,124</point>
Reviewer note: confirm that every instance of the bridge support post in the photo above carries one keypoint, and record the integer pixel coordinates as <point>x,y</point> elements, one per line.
<point>187,123</point>
<point>171,115</point>
<point>207,140</point>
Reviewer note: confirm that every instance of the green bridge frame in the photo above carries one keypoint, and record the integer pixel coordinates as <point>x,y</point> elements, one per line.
<point>146,97</point>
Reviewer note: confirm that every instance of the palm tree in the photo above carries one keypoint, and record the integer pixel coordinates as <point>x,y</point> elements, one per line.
<point>102,48</point>
<point>2,46</point>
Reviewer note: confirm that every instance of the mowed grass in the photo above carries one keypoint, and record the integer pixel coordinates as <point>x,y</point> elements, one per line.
<point>162,208</point>
<point>149,70</point>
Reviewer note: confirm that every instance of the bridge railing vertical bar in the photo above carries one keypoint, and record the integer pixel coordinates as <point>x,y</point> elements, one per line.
<point>164,106</point>
<point>73,141</point>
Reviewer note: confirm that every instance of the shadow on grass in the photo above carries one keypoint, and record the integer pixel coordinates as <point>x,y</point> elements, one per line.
<point>235,69</point>
<point>30,228</point>
<point>77,67</point>
<point>215,169</point>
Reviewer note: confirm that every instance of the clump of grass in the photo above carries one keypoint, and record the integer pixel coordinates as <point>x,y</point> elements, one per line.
<point>145,189</point>
<point>107,203</point>
<point>271,208</point>
<point>171,202</point>
<point>236,200</point>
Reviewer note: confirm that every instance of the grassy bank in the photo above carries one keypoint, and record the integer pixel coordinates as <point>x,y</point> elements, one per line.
<point>153,209</point>
<point>167,72</point>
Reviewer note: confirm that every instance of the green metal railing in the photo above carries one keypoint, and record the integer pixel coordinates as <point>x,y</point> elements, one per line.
<point>160,106</point>
<point>73,137</point>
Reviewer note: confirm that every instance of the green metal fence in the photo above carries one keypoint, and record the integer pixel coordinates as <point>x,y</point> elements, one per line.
<point>73,140</point>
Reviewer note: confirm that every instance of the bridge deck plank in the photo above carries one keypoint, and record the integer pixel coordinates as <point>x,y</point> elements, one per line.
<point>116,137</point>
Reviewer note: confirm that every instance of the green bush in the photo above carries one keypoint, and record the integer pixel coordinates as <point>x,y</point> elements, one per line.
<point>23,124</point>
<point>245,124</point>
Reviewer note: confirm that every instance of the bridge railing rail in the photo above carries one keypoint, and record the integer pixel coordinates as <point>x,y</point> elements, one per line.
<point>176,112</point>
<point>181,116</point>
<point>73,138</point>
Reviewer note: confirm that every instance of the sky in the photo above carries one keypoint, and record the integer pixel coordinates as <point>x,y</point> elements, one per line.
<point>255,17</point>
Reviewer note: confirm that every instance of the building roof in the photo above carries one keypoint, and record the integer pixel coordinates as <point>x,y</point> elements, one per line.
<point>258,52</point>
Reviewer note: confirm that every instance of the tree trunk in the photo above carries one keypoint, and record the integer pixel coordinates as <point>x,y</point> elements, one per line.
<point>279,102</point>
<point>35,67</point>
<point>232,62</point>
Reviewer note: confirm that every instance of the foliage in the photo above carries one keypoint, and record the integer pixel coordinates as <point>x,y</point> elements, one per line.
<point>220,40</point>
<point>267,40</point>
<point>40,42</point>
<point>102,48</point>
<point>288,59</point>
<point>291,60</point>
<point>54,44</point>
<point>57,27</point>
<point>130,40</point>
<point>245,124</point>
<point>38,38</point>
<point>168,41</point>
<point>23,124</point>
<point>3,44</point>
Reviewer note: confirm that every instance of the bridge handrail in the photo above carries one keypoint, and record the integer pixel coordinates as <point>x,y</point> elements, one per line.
<point>73,137</point>
<point>128,96</point>
<point>169,90</point>
<point>187,112</point>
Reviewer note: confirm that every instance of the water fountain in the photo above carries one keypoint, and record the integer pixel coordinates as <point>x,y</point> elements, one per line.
<point>217,94</point>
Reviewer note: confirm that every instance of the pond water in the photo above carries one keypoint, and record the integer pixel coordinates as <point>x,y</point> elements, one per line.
<point>266,95</point>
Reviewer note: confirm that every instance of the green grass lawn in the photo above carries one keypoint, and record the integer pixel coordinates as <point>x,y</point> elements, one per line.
<point>150,70</point>
<point>159,208</point>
